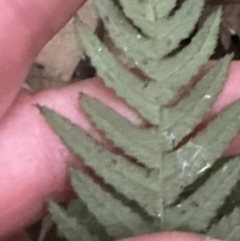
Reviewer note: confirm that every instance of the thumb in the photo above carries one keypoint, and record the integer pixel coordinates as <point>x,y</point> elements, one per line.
<point>172,236</point>
<point>25,28</point>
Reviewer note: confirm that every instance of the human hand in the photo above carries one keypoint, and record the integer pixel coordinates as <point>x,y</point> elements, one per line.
<point>33,161</point>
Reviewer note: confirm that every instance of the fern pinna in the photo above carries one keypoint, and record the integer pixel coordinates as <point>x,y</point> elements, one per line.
<point>169,176</point>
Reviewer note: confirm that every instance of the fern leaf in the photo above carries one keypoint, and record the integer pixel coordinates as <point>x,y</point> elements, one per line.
<point>148,10</point>
<point>78,208</point>
<point>68,225</point>
<point>115,169</point>
<point>166,29</point>
<point>200,153</point>
<point>126,37</point>
<point>148,33</point>
<point>126,84</point>
<point>191,58</point>
<point>178,120</point>
<point>228,228</point>
<point>136,142</point>
<point>188,61</point>
<point>199,209</point>
<point>119,220</point>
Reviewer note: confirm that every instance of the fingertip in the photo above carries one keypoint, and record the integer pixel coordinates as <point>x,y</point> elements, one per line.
<point>231,89</point>
<point>171,236</point>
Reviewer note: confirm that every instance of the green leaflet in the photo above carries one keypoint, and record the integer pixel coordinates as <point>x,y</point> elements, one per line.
<point>78,209</point>
<point>68,225</point>
<point>126,84</point>
<point>200,153</point>
<point>136,142</point>
<point>228,228</point>
<point>199,209</point>
<point>148,10</point>
<point>177,120</point>
<point>120,221</point>
<point>155,168</point>
<point>115,169</point>
<point>139,48</point>
<point>186,63</point>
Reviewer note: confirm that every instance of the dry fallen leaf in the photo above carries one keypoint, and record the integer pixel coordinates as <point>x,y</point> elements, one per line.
<point>55,64</point>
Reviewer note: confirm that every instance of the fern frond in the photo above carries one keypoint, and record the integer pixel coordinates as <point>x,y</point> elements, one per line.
<point>119,220</point>
<point>130,88</point>
<point>68,225</point>
<point>198,210</point>
<point>178,120</point>
<point>78,208</point>
<point>165,32</point>
<point>159,161</point>
<point>187,62</point>
<point>147,10</point>
<point>115,169</point>
<point>228,228</point>
<point>201,152</point>
<point>139,143</point>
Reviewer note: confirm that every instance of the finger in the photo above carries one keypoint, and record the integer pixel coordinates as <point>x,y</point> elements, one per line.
<point>33,161</point>
<point>25,28</point>
<point>231,89</point>
<point>173,236</point>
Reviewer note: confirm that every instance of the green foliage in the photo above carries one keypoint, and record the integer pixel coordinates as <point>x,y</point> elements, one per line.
<point>190,212</point>
<point>228,227</point>
<point>167,177</point>
<point>120,221</point>
<point>69,226</point>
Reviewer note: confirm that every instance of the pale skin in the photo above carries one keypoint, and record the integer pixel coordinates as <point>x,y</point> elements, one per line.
<point>33,161</point>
